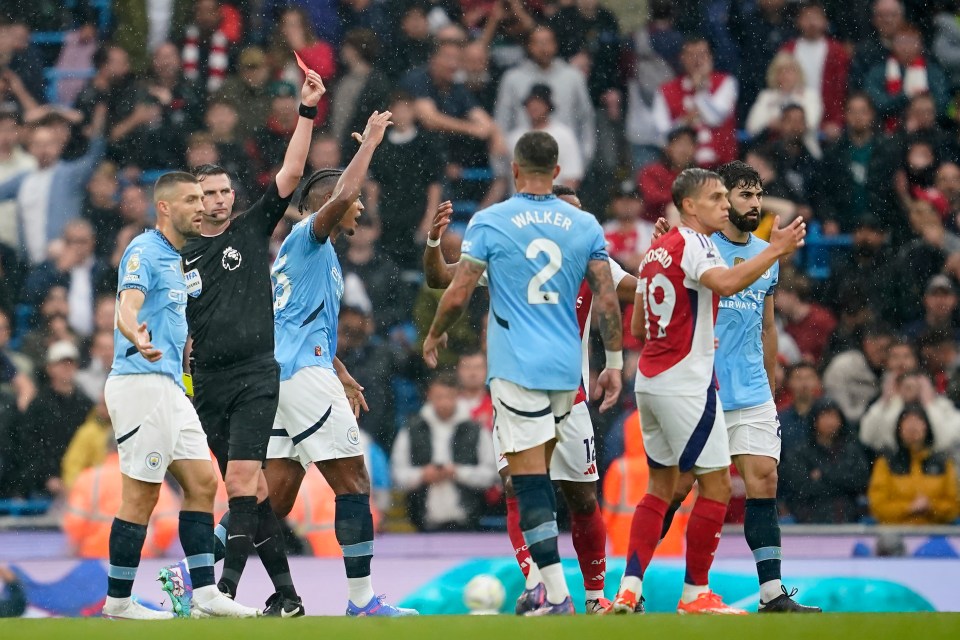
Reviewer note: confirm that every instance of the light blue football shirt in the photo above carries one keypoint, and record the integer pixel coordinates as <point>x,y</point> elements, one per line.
<point>152,265</point>
<point>739,359</point>
<point>307,287</point>
<point>536,250</point>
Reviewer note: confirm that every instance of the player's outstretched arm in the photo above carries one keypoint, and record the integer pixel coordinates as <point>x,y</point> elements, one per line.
<point>351,182</point>
<point>437,272</point>
<point>606,306</point>
<point>296,157</point>
<point>783,242</point>
<point>131,301</point>
<point>451,307</point>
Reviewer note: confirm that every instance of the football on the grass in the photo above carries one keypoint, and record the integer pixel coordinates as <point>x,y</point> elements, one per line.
<point>484,595</point>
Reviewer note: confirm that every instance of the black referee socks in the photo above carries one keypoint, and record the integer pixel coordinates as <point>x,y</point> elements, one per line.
<point>761,528</point>
<point>126,543</point>
<point>353,524</point>
<point>270,547</point>
<point>240,532</point>
<point>196,538</point>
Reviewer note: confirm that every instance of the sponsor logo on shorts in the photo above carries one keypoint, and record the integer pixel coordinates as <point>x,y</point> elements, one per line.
<point>353,435</point>
<point>154,460</point>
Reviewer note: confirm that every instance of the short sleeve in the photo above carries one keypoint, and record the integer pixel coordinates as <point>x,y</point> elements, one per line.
<point>617,272</point>
<point>267,211</point>
<point>775,280</point>
<point>476,244</point>
<point>700,255</point>
<point>134,272</point>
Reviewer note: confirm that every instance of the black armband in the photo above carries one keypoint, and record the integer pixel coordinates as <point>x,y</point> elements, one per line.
<point>307,112</point>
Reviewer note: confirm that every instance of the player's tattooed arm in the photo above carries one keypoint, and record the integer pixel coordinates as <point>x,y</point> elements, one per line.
<point>351,181</point>
<point>131,301</point>
<point>606,306</point>
<point>452,305</point>
<point>438,273</point>
<point>768,337</point>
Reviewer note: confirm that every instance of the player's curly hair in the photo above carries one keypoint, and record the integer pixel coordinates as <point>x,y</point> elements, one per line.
<point>317,177</point>
<point>739,174</point>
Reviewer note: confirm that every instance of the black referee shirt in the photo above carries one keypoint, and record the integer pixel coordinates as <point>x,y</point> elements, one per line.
<point>230,297</point>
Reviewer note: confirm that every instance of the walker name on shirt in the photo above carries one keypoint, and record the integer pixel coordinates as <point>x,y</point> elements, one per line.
<point>542,217</point>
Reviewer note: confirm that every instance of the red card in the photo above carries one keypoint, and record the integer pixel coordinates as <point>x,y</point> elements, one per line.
<point>300,63</point>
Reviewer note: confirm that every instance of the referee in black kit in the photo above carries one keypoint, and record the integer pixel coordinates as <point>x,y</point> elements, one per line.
<point>236,379</point>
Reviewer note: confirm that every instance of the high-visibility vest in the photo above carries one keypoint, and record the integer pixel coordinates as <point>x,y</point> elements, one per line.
<point>624,484</point>
<point>94,501</point>
<point>313,514</point>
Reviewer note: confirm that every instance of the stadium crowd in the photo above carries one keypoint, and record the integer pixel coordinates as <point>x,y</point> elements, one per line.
<point>848,109</point>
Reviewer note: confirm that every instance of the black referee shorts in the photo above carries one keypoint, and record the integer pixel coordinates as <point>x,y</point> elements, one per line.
<point>237,406</point>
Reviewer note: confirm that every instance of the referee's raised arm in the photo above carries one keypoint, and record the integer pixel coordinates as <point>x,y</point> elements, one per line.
<point>296,157</point>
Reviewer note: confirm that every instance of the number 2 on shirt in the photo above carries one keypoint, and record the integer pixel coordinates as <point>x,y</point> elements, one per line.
<point>535,292</point>
<point>662,310</point>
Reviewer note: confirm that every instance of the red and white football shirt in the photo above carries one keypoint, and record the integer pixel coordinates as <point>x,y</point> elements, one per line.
<point>584,311</point>
<point>677,358</point>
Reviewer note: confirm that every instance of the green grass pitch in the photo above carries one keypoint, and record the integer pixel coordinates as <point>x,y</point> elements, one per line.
<point>876,626</point>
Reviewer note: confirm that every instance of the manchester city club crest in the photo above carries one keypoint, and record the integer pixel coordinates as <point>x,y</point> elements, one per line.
<point>353,435</point>
<point>154,460</point>
<point>231,259</point>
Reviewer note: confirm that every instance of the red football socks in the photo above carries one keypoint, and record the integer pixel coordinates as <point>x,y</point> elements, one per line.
<point>703,536</point>
<point>590,541</point>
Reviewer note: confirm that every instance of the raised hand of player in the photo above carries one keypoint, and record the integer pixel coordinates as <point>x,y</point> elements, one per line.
<point>431,347</point>
<point>146,349</point>
<point>376,127</point>
<point>790,238</point>
<point>312,89</point>
<point>441,220</point>
<point>660,228</point>
<point>609,385</point>
<point>354,392</point>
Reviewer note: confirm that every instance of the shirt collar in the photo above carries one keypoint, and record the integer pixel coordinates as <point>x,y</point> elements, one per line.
<point>734,242</point>
<point>535,197</point>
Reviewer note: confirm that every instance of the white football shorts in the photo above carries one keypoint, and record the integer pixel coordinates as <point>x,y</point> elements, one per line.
<point>684,431</point>
<point>314,420</point>
<point>154,423</point>
<point>526,418</point>
<point>574,458</point>
<point>754,430</point>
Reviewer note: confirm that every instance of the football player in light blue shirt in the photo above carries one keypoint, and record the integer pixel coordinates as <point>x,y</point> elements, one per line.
<point>157,428</point>
<point>745,362</point>
<point>536,250</point>
<point>319,401</point>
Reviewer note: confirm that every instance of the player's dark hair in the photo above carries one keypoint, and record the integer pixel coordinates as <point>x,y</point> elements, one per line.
<point>324,179</point>
<point>689,183</point>
<point>207,170</point>
<point>564,190</point>
<point>171,179</point>
<point>536,152</point>
<point>739,175</point>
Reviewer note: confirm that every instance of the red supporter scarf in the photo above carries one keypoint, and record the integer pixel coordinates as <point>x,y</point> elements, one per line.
<point>912,83</point>
<point>217,60</point>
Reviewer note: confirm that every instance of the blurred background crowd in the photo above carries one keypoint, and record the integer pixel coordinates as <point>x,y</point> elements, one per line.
<point>849,109</point>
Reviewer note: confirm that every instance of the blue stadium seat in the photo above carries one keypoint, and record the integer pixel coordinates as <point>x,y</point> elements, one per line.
<point>818,250</point>
<point>28,507</point>
<point>54,76</point>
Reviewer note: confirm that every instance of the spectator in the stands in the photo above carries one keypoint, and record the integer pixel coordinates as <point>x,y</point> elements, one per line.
<point>628,235</point>
<point>823,481</point>
<point>656,178</point>
<point>946,42</point>
<point>13,161</point>
<point>938,357</point>
<point>887,21</point>
<point>325,152</point>
<point>381,277</point>
<point>294,34</point>
<point>102,207</point>
<point>762,29</point>
<point>911,483</point>
<point>16,371</point>
<point>588,29</point>
<point>477,77</point>
<point>269,141</point>
<point>360,91</point>
<point>947,183</point>
<point>472,388</point>
<point>135,216</point>
<point>73,265</point>
<point>49,326</point>
<point>363,14</point>
<point>785,86</point>
<point>647,72</point>
<point>825,64</point>
<point>206,47</point>
<point>406,174</point>
<point>797,153</point>
<point>49,423</point>
<point>865,270</point>
<point>807,322</point>
<point>52,194</point>
<point>939,309</point>
<point>803,384</point>
<point>569,91</point>
<point>90,443</point>
<point>903,75</point>
<point>704,99</point>
<point>842,198</point>
<point>853,378</point>
<point>112,85</point>
<point>247,91</point>
<point>93,377</point>
<point>540,109</point>
<point>21,57</point>
<point>444,460</point>
<point>370,362</point>
<point>180,101</point>
<point>878,427</point>
<point>412,45</point>
<point>222,122</point>
<point>322,15</point>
